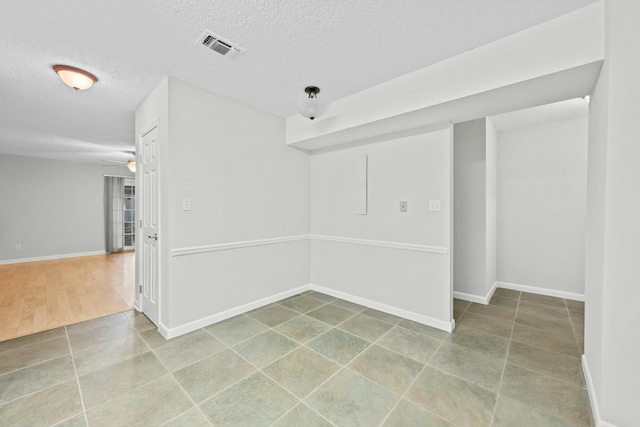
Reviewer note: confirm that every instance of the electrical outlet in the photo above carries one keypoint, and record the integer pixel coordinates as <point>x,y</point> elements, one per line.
<point>18,247</point>
<point>403,206</point>
<point>434,205</point>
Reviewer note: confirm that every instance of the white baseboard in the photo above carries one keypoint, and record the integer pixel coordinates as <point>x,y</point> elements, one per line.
<point>50,257</point>
<point>595,409</point>
<point>476,298</point>
<point>541,291</point>
<point>169,333</point>
<point>425,320</point>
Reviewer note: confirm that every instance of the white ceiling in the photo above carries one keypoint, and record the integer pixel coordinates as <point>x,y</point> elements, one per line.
<point>343,46</point>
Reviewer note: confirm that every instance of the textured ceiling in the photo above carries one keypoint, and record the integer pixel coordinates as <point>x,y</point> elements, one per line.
<point>343,46</point>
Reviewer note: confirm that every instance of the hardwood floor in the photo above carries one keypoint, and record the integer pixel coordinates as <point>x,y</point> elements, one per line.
<point>43,295</point>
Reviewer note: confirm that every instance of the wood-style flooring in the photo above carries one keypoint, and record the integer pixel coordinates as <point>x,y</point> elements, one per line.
<point>42,295</point>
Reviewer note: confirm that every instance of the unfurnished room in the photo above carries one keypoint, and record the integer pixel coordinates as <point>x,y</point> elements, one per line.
<point>338,213</point>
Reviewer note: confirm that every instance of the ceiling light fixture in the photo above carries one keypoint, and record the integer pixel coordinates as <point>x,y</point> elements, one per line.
<point>131,164</point>
<point>75,77</point>
<point>312,107</point>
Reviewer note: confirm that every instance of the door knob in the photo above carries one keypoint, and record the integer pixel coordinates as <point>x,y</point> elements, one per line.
<point>155,236</point>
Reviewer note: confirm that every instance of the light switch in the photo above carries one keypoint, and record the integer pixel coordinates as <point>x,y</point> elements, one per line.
<point>434,205</point>
<point>403,206</point>
<point>186,204</point>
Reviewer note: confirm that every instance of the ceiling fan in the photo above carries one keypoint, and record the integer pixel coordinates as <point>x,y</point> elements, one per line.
<point>131,163</point>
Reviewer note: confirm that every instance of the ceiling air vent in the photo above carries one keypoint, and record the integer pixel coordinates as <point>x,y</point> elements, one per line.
<point>216,44</point>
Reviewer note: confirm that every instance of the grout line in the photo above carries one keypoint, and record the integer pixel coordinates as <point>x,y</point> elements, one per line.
<point>75,370</point>
<point>403,396</point>
<point>178,383</point>
<point>504,367</point>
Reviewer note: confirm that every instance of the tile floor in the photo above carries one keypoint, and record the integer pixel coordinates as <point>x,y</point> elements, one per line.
<point>310,360</point>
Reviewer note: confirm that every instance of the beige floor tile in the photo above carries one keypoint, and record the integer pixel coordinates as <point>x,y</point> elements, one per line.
<point>300,416</point>
<point>84,339</point>
<point>513,413</point>
<point>504,302</point>
<point>349,305</point>
<point>302,303</point>
<point>469,365</point>
<point>576,316</point>
<point>348,399</point>
<point>320,296</point>
<point>32,339</point>
<point>408,414</point>
<point>409,343</point>
<point>302,328</point>
<point>331,314</point>
<point>301,371</point>
<point>490,325</point>
<point>566,402</point>
<point>481,342</point>
<point>365,327</point>
<point>459,304</point>
<point>16,384</point>
<point>338,346</point>
<point>453,398</point>
<point>554,365</point>
<point>105,384</point>
<point>543,310</point>
<point>543,299</point>
<point>255,401</point>
<point>575,305</point>
<point>34,353</point>
<point>423,329</point>
<point>540,320</point>
<point>265,348</point>
<point>236,329</point>
<point>192,418</point>
<point>209,376</point>
<point>387,368</point>
<point>507,293</point>
<point>43,408</point>
<point>152,404</point>
<point>178,354</point>
<point>493,311</point>
<point>560,341</point>
<point>103,355</point>
<point>273,315</point>
<point>76,421</point>
<point>381,315</point>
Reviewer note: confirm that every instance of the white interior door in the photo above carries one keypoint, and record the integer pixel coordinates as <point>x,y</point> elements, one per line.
<point>150,254</point>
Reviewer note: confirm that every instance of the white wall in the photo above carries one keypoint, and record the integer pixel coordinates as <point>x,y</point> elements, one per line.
<point>474,189</point>
<point>491,181</point>
<point>51,207</point>
<point>245,185</point>
<point>542,173</point>
<point>612,343</point>
<point>413,169</point>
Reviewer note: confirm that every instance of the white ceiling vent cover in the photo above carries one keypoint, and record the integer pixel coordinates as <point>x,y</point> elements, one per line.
<point>217,44</point>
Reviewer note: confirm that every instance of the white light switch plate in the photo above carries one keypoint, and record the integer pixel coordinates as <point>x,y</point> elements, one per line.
<point>186,204</point>
<point>434,205</point>
<point>403,206</point>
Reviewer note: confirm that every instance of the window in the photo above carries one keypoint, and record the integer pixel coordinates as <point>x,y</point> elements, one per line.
<point>129,222</point>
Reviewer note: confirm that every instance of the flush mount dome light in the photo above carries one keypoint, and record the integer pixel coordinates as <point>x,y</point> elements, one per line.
<point>312,107</point>
<point>75,77</point>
